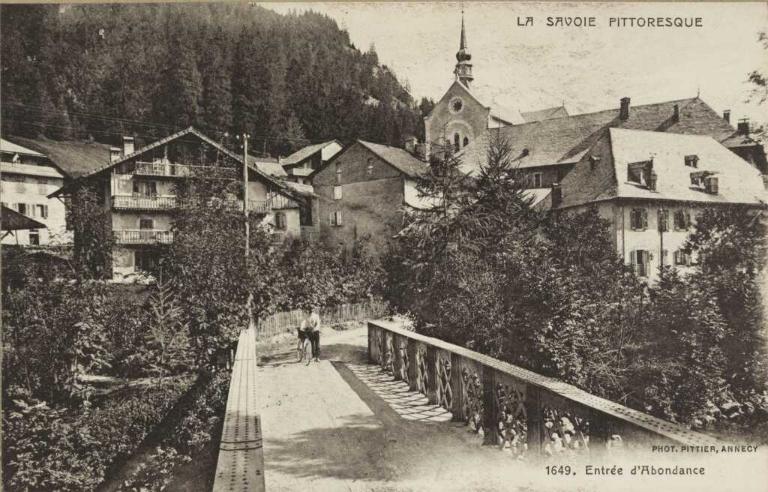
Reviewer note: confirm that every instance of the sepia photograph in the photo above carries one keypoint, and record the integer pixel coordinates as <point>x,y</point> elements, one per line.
<point>384,246</point>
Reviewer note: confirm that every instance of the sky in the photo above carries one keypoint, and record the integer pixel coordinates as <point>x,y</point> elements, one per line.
<point>587,69</point>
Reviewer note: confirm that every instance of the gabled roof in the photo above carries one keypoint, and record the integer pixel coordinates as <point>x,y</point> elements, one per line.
<point>738,181</point>
<point>397,158</point>
<point>544,114</point>
<point>268,165</point>
<point>565,140</point>
<point>7,146</point>
<point>73,158</point>
<point>305,152</point>
<point>188,131</point>
<point>14,221</point>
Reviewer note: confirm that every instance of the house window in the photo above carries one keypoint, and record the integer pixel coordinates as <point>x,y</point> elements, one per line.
<point>538,180</point>
<point>146,261</point>
<point>335,218</point>
<point>22,208</point>
<point>640,262</point>
<point>338,173</point>
<point>638,219</point>
<point>42,211</point>
<point>682,220</point>
<point>369,167</point>
<point>281,223</point>
<point>692,161</point>
<point>663,220</point>
<point>34,237</point>
<point>337,192</point>
<point>146,224</point>
<point>145,188</point>
<point>682,258</point>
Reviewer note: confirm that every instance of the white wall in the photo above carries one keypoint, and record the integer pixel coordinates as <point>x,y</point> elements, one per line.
<point>34,191</point>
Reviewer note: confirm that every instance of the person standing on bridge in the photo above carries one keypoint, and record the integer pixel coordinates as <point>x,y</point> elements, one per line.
<point>313,327</point>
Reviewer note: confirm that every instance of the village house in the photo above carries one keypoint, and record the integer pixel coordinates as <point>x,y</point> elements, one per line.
<point>362,193</point>
<point>139,188</point>
<point>26,180</point>
<point>302,163</point>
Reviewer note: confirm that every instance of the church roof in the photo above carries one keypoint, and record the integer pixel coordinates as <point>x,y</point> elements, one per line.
<point>564,140</point>
<point>544,114</point>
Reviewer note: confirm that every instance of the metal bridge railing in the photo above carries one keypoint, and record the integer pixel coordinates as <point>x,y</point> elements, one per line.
<point>516,409</point>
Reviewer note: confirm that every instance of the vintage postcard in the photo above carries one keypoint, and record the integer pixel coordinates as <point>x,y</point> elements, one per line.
<point>384,246</point>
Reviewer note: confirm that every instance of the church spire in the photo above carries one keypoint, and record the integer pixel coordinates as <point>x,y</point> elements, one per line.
<point>463,70</point>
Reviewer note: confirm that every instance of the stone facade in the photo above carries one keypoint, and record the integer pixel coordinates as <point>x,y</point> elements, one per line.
<point>366,192</point>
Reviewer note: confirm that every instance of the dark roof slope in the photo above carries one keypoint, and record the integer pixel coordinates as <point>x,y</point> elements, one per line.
<point>74,158</point>
<point>398,158</point>
<point>564,140</point>
<point>14,221</point>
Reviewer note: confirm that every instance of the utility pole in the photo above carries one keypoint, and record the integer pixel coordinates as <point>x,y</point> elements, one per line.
<point>245,195</point>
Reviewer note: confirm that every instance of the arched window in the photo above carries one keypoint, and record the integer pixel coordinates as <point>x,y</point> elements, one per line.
<point>456,140</point>
<point>466,141</point>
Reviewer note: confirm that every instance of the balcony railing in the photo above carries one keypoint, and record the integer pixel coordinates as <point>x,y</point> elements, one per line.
<point>128,202</point>
<point>143,236</point>
<point>181,170</point>
<point>145,202</point>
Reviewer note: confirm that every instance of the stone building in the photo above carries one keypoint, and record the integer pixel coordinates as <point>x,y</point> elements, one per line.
<point>363,192</point>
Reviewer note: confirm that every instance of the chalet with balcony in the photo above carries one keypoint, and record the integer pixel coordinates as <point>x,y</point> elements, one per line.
<point>141,190</point>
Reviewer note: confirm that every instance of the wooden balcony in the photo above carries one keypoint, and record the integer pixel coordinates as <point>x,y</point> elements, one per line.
<point>144,202</point>
<point>167,169</point>
<point>143,236</point>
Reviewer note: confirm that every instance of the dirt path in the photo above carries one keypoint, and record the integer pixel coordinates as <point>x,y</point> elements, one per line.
<point>324,428</point>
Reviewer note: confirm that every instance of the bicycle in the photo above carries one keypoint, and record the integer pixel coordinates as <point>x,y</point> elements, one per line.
<point>304,347</point>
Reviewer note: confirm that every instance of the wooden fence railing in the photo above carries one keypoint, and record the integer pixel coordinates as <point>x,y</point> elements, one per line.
<point>290,320</point>
<point>514,408</point>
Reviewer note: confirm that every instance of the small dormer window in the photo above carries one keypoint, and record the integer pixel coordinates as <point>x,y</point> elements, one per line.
<point>642,173</point>
<point>692,161</point>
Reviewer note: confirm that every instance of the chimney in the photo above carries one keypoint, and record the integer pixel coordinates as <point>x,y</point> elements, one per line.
<point>676,112</point>
<point>557,195</point>
<point>727,115</point>
<point>624,108</point>
<point>127,146</point>
<point>114,154</point>
<point>410,145</point>
<point>743,127</point>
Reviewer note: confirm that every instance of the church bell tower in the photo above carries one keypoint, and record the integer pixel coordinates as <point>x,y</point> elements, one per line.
<point>463,68</point>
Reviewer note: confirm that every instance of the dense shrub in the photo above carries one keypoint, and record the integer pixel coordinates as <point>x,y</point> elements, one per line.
<point>55,448</point>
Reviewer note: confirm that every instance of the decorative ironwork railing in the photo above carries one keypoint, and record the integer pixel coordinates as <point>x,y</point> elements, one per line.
<point>515,409</point>
<point>143,236</point>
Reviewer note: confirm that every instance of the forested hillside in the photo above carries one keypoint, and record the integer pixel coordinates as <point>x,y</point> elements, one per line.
<point>99,71</point>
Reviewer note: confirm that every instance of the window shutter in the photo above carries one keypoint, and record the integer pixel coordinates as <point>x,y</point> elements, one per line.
<point>643,218</point>
<point>338,218</point>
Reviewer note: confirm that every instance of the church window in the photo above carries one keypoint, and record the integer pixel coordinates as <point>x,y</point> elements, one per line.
<point>466,141</point>
<point>456,105</point>
<point>456,139</point>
